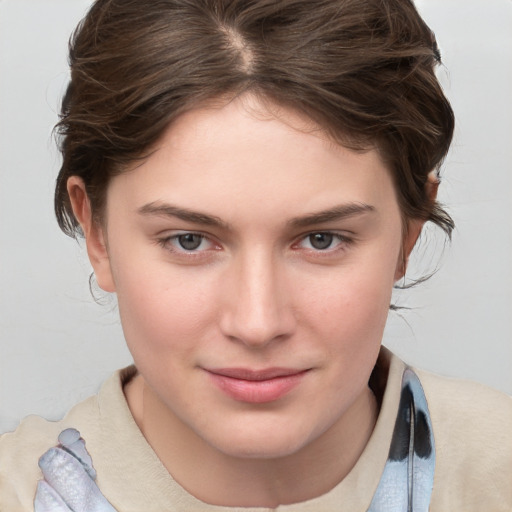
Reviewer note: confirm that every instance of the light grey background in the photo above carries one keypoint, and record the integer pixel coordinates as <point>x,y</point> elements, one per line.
<point>57,345</point>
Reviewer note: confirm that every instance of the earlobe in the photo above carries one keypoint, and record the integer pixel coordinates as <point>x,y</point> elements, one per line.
<point>432,186</point>
<point>414,227</point>
<point>410,238</point>
<point>93,233</point>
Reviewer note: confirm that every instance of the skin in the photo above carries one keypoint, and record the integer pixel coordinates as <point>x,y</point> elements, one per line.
<point>256,293</point>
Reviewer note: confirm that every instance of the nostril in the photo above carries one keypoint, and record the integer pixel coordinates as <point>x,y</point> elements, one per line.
<point>258,331</point>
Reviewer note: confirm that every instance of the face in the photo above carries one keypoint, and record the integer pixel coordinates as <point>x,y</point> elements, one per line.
<point>253,261</point>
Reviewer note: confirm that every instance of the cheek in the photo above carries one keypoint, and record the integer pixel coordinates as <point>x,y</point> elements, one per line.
<point>349,321</point>
<point>349,313</point>
<point>352,321</point>
<point>354,299</point>
<point>161,310</point>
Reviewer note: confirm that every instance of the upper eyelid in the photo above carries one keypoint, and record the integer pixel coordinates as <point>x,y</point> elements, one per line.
<point>173,234</point>
<point>342,242</point>
<point>346,235</point>
<point>341,231</point>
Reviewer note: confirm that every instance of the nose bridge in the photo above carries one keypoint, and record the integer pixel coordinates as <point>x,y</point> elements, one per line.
<point>259,309</point>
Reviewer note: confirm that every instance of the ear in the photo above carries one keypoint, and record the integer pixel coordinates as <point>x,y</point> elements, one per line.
<point>93,232</point>
<point>410,237</point>
<point>414,227</point>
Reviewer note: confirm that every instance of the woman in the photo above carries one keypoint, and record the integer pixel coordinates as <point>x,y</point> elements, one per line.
<point>250,179</point>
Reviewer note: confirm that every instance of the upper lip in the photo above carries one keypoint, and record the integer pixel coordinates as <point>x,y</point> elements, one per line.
<point>255,375</point>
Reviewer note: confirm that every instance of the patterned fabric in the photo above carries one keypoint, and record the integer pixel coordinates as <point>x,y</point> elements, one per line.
<point>408,478</point>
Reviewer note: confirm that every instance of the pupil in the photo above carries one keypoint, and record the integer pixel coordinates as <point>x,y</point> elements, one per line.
<point>320,240</point>
<point>190,241</point>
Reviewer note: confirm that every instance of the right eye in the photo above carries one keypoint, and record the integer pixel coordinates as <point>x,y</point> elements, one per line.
<point>188,242</point>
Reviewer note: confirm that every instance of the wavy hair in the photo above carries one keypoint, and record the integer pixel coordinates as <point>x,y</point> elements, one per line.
<point>362,69</point>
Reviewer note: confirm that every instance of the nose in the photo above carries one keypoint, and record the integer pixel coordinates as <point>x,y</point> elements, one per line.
<point>258,309</point>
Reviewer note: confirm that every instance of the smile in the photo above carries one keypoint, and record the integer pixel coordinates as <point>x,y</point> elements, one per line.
<point>259,386</point>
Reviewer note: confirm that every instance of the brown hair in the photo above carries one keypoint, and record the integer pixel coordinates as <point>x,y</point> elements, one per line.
<point>362,69</point>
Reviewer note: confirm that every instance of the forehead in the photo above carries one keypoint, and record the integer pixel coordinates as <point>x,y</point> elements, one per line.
<point>245,155</point>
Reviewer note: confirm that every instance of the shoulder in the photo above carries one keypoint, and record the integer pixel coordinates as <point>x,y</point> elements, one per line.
<point>19,454</point>
<point>472,426</point>
<point>20,450</point>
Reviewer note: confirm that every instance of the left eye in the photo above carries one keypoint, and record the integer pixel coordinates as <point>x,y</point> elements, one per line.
<point>321,241</point>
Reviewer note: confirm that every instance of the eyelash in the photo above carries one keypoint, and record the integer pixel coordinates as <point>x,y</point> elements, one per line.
<point>343,242</point>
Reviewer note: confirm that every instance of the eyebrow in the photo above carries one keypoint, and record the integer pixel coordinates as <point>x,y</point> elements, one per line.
<point>332,214</point>
<point>169,210</point>
<point>339,212</point>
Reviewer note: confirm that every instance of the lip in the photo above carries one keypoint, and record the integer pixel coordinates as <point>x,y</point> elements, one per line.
<point>256,386</point>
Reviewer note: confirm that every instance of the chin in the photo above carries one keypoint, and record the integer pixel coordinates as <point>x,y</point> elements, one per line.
<point>273,443</point>
<point>260,450</point>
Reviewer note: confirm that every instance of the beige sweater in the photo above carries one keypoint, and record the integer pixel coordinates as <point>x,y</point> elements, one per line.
<point>472,428</point>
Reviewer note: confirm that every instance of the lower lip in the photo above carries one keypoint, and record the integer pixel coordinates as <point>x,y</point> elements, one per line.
<point>257,391</point>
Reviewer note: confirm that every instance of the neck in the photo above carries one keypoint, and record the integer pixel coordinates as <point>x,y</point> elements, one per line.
<point>207,473</point>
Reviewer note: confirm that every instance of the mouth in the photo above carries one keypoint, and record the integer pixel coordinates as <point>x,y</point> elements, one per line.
<point>256,386</point>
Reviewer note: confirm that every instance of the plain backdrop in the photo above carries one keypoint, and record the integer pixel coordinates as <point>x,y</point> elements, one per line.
<point>57,344</point>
